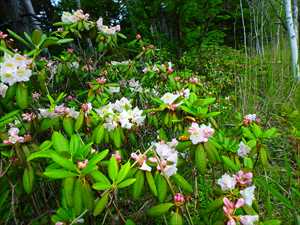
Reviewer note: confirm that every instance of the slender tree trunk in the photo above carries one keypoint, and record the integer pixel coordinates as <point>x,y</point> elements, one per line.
<point>29,8</point>
<point>244,28</point>
<point>295,18</point>
<point>78,4</point>
<point>293,38</point>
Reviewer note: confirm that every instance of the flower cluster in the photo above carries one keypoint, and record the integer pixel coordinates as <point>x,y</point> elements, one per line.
<point>141,160</point>
<point>106,29</point>
<point>200,134</point>
<point>14,137</point>
<point>158,68</point>
<point>121,113</point>
<point>179,199</point>
<point>28,117</point>
<point>15,69</point>
<point>242,181</point>
<point>60,110</point>
<point>167,157</point>
<point>243,150</point>
<point>250,118</point>
<point>74,17</point>
<point>171,98</point>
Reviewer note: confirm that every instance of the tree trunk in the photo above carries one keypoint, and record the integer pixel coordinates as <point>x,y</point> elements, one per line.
<point>295,18</point>
<point>293,38</point>
<point>30,11</point>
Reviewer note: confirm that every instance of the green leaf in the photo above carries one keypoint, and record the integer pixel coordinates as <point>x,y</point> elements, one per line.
<point>113,168</point>
<point>36,36</point>
<point>100,205</point>
<point>138,186</point>
<point>98,157</point>
<point>230,164</point>
<point>58,173</point>
<point>247,133</point>
<point>64,41</point>
<point>19,38</point>
<point>176,219</point>
<point>100,177</point>
<point>28,178</point>
<point>65,163</point>
<point>126,183</point>
<point>162,187</point>
<point>60,143</point>
<point>123,172</point>
<point>129,222</point>
<point>40,154</point>
<point>68,188</point>
<point>214,205</point>
<point>270,133</point>
<point>101,186</point>
<point>257,130</point>
<point>75,144</point>
<point>151,183</point>
<point>201,159</point>
<point>180,181</point>
<point>45,145</point>
<point>272,222</point>
<point>160,209</point>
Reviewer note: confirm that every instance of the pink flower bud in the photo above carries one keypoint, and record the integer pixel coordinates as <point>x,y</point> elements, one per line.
<point>138,36</point>
<point>82,164</point>
<point>118,156</point>
<point>179,199</point>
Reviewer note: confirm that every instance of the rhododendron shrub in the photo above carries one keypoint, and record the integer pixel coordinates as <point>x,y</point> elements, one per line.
<point>89,136</point>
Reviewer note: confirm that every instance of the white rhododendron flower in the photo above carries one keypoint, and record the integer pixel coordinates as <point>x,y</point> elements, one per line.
<point>200,134</point>
<point>169,98</point>
<point>227,182</point>
<point>68,17</point>
<point>110,123</point>
<point>141,160</point>
<point>168,157</point>
<point>251,117</point>
<point>15,69</point>
<point>135,85</point>
<point>248,195</point>
<point>243,150</point>
<point>248,219</point>
<point>3,89</point>
<point>74,17</point>
<point>121,113</point>
<point>106,29</point>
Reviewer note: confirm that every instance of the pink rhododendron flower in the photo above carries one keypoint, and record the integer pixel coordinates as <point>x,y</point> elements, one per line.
<point>36,96</point>
<point>200,134</point>
<point>28,116</point>
<point>243,178</point>
<point>101,80</point>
